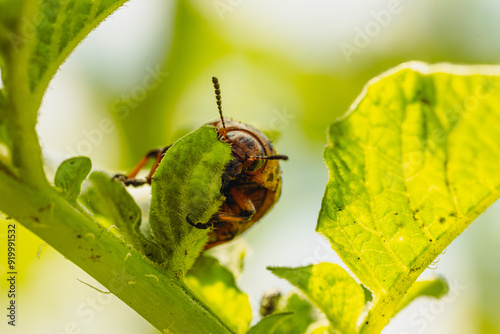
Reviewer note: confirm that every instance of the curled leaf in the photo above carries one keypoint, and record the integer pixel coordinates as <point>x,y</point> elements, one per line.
<point>69,176</point>
<point>187,183</point>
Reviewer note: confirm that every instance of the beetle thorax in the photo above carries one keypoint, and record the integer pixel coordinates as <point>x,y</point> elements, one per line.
<point>245,147</point>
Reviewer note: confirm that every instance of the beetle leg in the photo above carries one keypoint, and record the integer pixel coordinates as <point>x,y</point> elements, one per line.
<point>243,202</point>
<point>227,225</point>
<point>199,225</point>
<point>159,156</point>
<point>131,180</point>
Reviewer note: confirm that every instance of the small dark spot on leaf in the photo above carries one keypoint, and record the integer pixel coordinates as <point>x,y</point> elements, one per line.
<point>339,209</point>
<point>131,217</point>
<point>78,236</point>
<point>42,209</point>
<point>417,210</point>
<point>366,323</point>
<point>452,214</point>
<point>36,219</point>
<point>95,257</point>
<point>442,220</point>
<point>396,213</point>
<point>358,258</point>
<point>430,240</point>
<point>72,162</point>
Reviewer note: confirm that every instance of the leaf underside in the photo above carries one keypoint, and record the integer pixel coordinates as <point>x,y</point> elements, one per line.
<point>411,165</point>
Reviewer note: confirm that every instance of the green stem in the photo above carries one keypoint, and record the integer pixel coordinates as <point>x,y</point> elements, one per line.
<point>379,315</point>
<point>22,109</point>
<point>154,293</point>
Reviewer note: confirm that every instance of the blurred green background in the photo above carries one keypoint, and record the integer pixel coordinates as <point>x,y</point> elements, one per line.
<point>143,78</point>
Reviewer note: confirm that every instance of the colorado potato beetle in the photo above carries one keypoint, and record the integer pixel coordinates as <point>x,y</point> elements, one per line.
<point>251,182</point>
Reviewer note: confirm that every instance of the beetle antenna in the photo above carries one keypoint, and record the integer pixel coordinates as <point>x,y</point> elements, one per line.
<point>271,157</point>
<point>219,105</point>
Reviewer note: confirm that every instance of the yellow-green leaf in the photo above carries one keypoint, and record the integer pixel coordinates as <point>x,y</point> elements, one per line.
<point>215,285</point>
<point>269,324</point>
<point>301,318</point>
<point>332,290</point>
<point>434,287</point>
<point>411,165</point>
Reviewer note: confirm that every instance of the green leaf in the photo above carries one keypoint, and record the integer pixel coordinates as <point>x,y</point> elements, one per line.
<point>216,286</point>
<point>435,287</point>
<point>269,324</point>
<point>41,34</point>
<point>108,198</point>
<point>187,182</point>
<point>301,318</point>
<point>411,165</point>
<point>331,289</point>
<point>69,176</point>
<point>35,38</point>
<point>368,294</point>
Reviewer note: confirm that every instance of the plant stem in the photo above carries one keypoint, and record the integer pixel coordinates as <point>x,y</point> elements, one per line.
<point>154,293</point>
<point>22,107</point>
<point>379,315</point>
